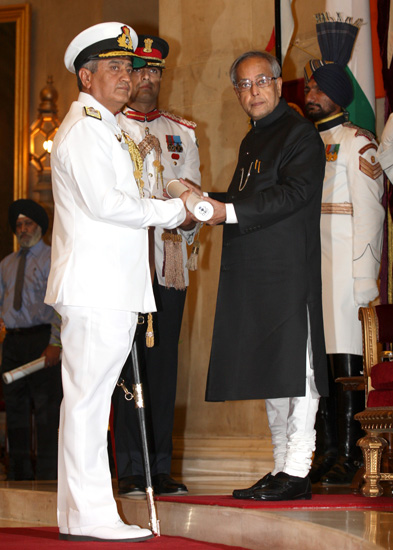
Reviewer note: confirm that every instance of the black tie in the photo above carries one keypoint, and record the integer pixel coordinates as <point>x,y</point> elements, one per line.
<point>19,279</point>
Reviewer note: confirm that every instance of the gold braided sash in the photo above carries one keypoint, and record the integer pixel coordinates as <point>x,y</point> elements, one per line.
<point>137,161</point>
<point>337,208</point>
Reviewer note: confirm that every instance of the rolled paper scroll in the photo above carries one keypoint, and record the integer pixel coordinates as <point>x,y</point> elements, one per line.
<point>201,209</point>
<point>24,370</point>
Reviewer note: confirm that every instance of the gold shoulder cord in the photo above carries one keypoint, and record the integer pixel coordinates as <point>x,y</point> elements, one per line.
<point>136,161</point>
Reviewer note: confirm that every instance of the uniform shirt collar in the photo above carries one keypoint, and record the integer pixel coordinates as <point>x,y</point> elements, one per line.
<point>36,249</point>
<point>331,122</point>
<point>133,114</point>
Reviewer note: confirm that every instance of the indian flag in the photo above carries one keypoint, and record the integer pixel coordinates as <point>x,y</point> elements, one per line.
<point>287,25</point>
<point>360,66</point>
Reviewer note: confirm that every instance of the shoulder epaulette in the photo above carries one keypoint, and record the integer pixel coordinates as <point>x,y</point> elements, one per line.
<point>179,120</point>
<point>360,131</point>
<point>90,111</point>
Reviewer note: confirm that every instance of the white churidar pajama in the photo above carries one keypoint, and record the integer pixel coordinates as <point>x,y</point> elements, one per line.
<point>291,422</point>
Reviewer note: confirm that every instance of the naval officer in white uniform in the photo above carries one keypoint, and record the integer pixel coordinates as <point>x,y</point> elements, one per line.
<point>99,278</point>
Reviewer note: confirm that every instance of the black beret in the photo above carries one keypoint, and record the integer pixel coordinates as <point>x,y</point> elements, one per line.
<point>30,209</point>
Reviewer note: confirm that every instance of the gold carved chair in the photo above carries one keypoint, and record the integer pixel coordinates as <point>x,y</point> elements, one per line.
<point>377,418</point>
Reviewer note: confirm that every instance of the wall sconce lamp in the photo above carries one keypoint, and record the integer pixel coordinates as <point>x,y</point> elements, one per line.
<point>43,130</point>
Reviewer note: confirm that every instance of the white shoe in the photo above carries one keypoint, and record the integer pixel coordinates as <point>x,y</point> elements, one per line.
<point>117,532</point>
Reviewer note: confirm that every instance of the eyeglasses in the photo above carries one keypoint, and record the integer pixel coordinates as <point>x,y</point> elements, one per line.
<point>261,81</point>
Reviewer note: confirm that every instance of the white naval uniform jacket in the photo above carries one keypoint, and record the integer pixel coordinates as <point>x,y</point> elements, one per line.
<point>351,244</point>
<point>181,163</point>
<point>100,237</point>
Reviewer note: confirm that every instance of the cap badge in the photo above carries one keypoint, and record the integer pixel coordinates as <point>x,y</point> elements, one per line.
<point>148,44</point>
<point>124,40</point>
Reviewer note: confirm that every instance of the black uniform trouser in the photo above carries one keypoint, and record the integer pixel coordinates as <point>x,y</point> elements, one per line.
<point>159,379</point>
<point>41,392</point>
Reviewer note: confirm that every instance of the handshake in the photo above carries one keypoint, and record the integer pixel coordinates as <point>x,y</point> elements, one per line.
<point>201,209</point>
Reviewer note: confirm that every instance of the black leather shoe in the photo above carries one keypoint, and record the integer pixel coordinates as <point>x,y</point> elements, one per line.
<point>249,492</point>
<point>285,487</point>
<point>164,484</point>
<point>342,473</point>
<point>131,485</point>
<point>321,465</point>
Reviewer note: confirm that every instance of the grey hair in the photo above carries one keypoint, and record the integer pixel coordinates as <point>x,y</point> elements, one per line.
<point>274,64</point>
<point>92,66</point>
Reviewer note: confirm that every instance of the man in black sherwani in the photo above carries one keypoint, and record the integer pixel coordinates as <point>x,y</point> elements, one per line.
<point>268,340</point>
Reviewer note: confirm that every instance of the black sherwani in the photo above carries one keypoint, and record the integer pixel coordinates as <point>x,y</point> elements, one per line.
<point>271,265</point>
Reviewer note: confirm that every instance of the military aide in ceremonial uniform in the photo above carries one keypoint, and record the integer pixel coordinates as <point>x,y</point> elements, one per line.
<point>168,145</point>
<point>268,335</point>
<point>99,278</point>
<point>351,239</point>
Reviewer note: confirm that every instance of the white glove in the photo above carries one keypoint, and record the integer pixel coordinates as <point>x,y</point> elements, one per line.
<point>364,291</point>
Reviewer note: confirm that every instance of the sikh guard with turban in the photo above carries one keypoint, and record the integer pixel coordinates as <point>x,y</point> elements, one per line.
<point>32,331</point>
<point>351,239</point>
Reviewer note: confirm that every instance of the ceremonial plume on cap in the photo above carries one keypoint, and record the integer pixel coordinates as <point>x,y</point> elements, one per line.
<point>102,41</point>
<point>30,209</point>
<point>336,38</point>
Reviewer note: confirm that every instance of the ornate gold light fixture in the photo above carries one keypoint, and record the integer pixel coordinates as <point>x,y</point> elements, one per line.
<point>42,132</point>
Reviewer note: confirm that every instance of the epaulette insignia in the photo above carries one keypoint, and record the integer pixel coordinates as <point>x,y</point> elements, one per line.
<point>90,111</point>
<point>331,151</point>
<point>179,120</point>
<point>360,131</point>
<point>373,171</point>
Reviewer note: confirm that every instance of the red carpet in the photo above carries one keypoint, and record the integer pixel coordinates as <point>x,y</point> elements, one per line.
<point>318,502</point>
<point>46,538</point>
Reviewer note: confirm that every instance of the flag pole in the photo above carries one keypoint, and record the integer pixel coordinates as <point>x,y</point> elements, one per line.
<point>277,29</point>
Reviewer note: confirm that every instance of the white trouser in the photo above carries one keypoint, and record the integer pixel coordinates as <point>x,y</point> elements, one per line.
<point>96,343</point>
<point>291,422</point>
